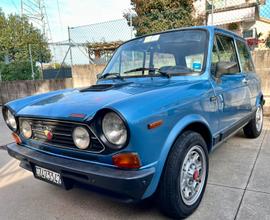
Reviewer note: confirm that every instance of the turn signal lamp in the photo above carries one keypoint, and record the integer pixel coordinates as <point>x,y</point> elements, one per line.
<point>127,160</point>
<point>16,138</point>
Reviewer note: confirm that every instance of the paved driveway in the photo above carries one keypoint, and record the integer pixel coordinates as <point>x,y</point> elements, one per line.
<point>238,188</point>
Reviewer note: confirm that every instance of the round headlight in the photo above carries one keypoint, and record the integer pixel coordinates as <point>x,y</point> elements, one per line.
<point>10,120</point>
<point>114,129</point>
<point>26,129</point>
<point>81,137</point>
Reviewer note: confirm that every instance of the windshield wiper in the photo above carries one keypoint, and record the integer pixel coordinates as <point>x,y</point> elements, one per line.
<point>141,69</point>
<point>105,75</point>
<point>163,73</point>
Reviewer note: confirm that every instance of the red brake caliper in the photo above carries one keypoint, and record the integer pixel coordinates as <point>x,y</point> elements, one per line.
<point>196,175</point>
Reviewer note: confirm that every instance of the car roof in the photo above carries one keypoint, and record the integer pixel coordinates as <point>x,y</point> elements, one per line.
<point>233,34</point>
<point>211,29</point>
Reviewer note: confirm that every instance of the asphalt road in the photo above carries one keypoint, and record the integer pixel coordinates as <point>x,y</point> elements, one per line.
<point>238,188</point>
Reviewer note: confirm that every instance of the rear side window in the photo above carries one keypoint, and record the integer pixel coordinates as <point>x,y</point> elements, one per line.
<point>245,57</point>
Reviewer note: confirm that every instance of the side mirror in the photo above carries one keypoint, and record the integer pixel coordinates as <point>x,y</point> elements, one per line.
<point>224,68</point>
<point>99,75</point>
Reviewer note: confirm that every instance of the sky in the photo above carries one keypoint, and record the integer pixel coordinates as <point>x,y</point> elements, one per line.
<point>73,13</point>
<point>265,10</point>
<point>81,12</point>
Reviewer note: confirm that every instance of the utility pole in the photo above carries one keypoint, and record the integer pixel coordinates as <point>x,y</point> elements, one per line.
<point>70,46</point>
<point>21,8</point>
<point>131,24</point>
<point>212,12</point>
<point>35,11</point>
<point>31,61</point>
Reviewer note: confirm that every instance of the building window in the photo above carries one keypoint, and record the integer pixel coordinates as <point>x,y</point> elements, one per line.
<point>249,33</point>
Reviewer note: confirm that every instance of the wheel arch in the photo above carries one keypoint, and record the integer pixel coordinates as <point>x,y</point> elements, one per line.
<point>203,130</point>
<point>260,100</point>
<point>195,123</point>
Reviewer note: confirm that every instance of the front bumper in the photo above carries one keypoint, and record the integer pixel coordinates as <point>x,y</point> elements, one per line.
<point>128,184</point>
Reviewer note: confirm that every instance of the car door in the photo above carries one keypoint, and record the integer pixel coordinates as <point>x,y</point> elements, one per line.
<point>247,67</point>
<point>231,90</point>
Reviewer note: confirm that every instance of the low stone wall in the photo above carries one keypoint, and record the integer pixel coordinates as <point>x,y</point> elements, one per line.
<point>18,89</point>
<point>261,60</point>
<point>85,75</point>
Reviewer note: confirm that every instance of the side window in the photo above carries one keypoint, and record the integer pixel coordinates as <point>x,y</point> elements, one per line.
<point>226,48</point>
<point>245,57</point>
<point>224,51</point>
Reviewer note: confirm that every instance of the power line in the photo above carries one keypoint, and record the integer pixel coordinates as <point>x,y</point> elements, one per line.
<point>36,12</point>
<point>59,14</point>
<point>47,24</point>
<point>50,39</point>
<point>15,5</point>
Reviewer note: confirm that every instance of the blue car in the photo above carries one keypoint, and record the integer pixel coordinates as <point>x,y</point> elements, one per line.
<point>161,105</point>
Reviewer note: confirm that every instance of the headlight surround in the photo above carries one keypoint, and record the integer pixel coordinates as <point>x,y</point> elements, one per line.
<point>114,130</point>
<point>10,119</point>
<point>26,129</point>
<point>81,137</point>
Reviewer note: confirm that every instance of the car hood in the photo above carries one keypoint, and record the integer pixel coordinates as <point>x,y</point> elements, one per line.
<point>86,101</point>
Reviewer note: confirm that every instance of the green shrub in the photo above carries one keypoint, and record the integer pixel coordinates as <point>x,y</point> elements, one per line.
<point>18,71</point>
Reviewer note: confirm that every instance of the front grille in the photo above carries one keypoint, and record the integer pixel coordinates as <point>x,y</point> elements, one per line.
<point>62,134</point>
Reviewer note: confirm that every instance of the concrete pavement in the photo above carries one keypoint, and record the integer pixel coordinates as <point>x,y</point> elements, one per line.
<point>238,188</point>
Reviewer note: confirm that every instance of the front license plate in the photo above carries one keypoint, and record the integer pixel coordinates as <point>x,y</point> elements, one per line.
<point>48,175</point>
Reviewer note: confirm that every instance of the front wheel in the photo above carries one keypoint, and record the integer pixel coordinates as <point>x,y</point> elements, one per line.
<point>184,179</point>
<point>254,128</point>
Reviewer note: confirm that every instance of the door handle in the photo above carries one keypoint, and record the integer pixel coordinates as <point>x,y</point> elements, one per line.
<point>245,81</point>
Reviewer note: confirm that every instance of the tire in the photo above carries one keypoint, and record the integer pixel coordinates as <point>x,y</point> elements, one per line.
<point>172,199</point>
<point>254,128</point>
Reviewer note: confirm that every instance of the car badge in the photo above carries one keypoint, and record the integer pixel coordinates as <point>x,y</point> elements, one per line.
<point>77,115</point>
<point>48,134</point>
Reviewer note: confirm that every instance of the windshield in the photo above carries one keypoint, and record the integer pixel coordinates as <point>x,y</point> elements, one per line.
<point>175,52</point>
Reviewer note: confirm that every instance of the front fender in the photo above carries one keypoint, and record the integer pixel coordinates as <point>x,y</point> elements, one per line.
<point>174,133</point>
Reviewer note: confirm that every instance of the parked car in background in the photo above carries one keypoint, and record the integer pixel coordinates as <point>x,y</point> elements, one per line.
<point>161,105</point>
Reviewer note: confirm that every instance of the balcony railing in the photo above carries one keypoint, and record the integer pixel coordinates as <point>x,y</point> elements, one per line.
<point>223,4</point>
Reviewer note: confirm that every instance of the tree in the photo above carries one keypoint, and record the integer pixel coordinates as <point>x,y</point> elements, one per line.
<point>159,15</point>
<point>18,71</point>
<point>15,37</point>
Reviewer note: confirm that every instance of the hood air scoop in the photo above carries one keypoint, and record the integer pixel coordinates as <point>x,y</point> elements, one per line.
<point>103,87</point>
